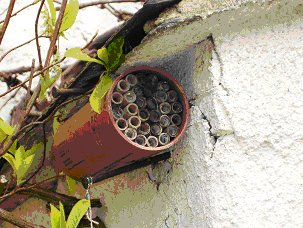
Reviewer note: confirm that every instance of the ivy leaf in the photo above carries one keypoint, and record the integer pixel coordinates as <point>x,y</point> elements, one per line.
<point>70,15</point>
<point>103,55</point>
<point>77,213</point>
<point>71,184</point>
<point>115,52</point>
<point>6,128</point>
<point>96,98</point>
<point>52,11</point>
<point>55,217</point>
<point>62,216</point>
<point>77,53</point>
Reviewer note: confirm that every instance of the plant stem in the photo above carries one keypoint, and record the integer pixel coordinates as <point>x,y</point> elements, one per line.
<point>7,19</point>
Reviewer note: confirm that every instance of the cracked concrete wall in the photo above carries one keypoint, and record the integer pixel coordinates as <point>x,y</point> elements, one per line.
<point>241,161</point>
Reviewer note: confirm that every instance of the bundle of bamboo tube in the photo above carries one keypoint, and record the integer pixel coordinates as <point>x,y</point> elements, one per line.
<point>147,109</point>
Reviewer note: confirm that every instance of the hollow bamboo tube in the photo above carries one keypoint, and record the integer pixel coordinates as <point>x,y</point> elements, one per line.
<point>151,103</point>
<point>130,110</point>
<point>154,116</point>
<point>152,141</point>
<point>130,133</point>
<point>144,115</point>
<point>172,96</point>
<point>122,124</point>
<point>160,96</point>
<point>165,108</point>
<point>164,139</point>
<point>176,119</point>
<point>141,140</point>
<point>117,112</point>
<point>156,129</point>
<point>128,97</point>
<point>141,102</point>
<point>131,79</point>
<point>134,122</point>
<point>144,129</point>
<point>176,107</point>
<point>117,98</point>
<point>122,86</point>
<point>163,85</point>
<point>172,130</point>
<point>164,121</point>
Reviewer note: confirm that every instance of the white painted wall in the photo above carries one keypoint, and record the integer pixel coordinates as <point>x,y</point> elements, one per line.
<point>249,95</point>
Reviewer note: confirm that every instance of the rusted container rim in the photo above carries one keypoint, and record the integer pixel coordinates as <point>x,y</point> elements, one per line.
<point>176,85</point>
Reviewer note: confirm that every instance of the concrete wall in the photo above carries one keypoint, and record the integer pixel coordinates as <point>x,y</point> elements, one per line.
<point>241,162</point>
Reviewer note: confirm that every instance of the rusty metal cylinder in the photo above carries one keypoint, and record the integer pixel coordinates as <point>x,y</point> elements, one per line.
<point>92,144</point>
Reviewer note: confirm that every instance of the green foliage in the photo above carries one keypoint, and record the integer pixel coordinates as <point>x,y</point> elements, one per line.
<point>115,53</point>
<point>77,213</point>
<point>74,218</point>
<point>96,98</point>
<point>52,11</point>
<point>70,15</point>
<point>56,123</point>
<point>22,160</point>
<point>111,58</point>
<point>6,128</point>
<point>45,83</point>
<point>55,216</point>
<point>71,184</point>
<point>77,53</point>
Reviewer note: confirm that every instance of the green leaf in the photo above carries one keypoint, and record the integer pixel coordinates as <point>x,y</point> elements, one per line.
<point>96,98</point>
<point>6,128</point>
<point>115,52</point>
<point>70,15</point>
<point>46,82</point>
<point>10,159</point>
<point>71,184</point>
<point>33,150</point>
<point>52,11</point>
<point>77,213</point>
<point>13,148</point>
<point>77,53</point>
<point>24,160</point>
<point>55,217</point>
<point>62,216</point>
<point>103,55</point>
<point>56,123</point>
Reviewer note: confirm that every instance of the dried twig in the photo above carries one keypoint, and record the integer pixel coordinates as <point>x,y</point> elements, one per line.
<point>55,34</point>
<point>101,2</point>
<point>19,46</point>
<point>7,19</point>
<point>19,125</point>
<point>35,75</point>
<point>121,15</point>
<point>37,36</point>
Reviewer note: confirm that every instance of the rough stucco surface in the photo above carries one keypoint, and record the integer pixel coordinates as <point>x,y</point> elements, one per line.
<point>240,163</point>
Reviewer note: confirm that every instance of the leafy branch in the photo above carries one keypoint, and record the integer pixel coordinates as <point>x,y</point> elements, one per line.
<point>111,58</point>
